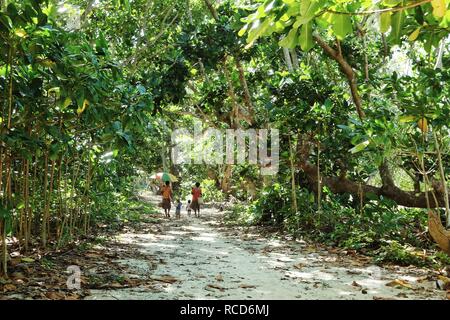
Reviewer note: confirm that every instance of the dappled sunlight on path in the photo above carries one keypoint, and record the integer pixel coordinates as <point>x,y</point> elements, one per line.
<point>199,258</point>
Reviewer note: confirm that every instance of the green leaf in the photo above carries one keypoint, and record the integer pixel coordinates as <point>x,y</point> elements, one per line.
<point>359,147</point>
<point>82,107</point>
<point>439,8</point>
<point>67,102</point>
<point>407,118</point>
<point>391,3</point>
<point>342,25</point>
<point>243,30</point>
<point>257,30</point>
<point>6,21</point>
<point>5,213</point>
<point>290,41</point>
<point>396,24</point>
<point>413,36</point>
<point>306,39</point>
<point>385,22</point>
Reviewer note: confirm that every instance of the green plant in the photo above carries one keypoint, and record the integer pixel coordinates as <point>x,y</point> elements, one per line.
<point>394,252</point>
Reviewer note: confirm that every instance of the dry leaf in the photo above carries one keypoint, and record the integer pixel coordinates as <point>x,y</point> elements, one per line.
<point>400,283</point>
<point>356,284</point>
<point>215,286</point>
<point>299,265</point>
<point>9,287</point>
<point>55,295</point>
<point>445,282</point>
<point>219,277</point>
<point>166,279</point>
<point>448,294</point>
<point>247,286</point>
<point>115,285</point>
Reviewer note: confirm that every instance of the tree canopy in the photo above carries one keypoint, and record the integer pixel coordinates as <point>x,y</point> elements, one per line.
<point>91,91</point>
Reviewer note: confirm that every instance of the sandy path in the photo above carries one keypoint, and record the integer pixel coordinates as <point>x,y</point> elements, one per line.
<point>213,262</point>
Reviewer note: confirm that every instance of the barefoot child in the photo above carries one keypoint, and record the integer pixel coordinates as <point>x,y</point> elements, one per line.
<point>166,192</point>
<point>188,208</point>
<point>196,195</point>
<point>178,210</point>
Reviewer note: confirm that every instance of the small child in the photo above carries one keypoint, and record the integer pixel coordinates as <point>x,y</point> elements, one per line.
<point>188,207</point>
<point>178,210</point>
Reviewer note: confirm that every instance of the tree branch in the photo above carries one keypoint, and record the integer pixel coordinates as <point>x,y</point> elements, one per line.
<point>345,185</point>
<point>346,69</point>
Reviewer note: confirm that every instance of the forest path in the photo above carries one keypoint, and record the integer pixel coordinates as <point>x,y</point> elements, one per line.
<point>200,258</point>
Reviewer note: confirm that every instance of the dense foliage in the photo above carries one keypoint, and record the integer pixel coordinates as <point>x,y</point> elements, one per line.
<point>358,89</point>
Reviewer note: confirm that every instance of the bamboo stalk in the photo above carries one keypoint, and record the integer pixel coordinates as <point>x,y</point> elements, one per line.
<point>293,185</point>
<point>45,213</point>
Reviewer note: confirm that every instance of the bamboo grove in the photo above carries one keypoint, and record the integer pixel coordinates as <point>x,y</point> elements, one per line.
<point>64,106</point>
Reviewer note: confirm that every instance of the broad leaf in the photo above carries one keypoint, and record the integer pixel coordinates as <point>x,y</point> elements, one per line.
<point>306,39</point>
<point>342,25</point>
<point>385,22</point>
<point>439,8</point>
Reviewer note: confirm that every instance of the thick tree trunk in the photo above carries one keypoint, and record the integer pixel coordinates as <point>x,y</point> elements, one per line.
<point>227,178</point>
<point>388,189</point>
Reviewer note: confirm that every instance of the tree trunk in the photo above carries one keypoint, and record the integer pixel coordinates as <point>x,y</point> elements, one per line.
<point>343,185</point>
<point>287,59</point>
<point>227,178</point>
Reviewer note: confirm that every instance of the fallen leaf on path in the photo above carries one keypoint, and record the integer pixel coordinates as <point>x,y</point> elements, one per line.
<point>215,286</point>
<point>299,266</point>
<point>400,283</point>
<point>166,279</point>
<point>356,284</point>
<point>353,272</point>
<point>115,285</point>
<point>247,286</point>
<point>219,277</point>
<point>9,287</point>
<point>93,255</point>
<point>55,295</point>
<point>445,282</point>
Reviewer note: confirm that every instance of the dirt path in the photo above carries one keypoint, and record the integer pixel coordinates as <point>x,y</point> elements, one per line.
<point>199,258</point>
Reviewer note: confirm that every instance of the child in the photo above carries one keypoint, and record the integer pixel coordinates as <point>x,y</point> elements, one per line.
<point>166,192</point>
<point>188,207</point>
<point>196,196</point>
<point>178,210</point>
